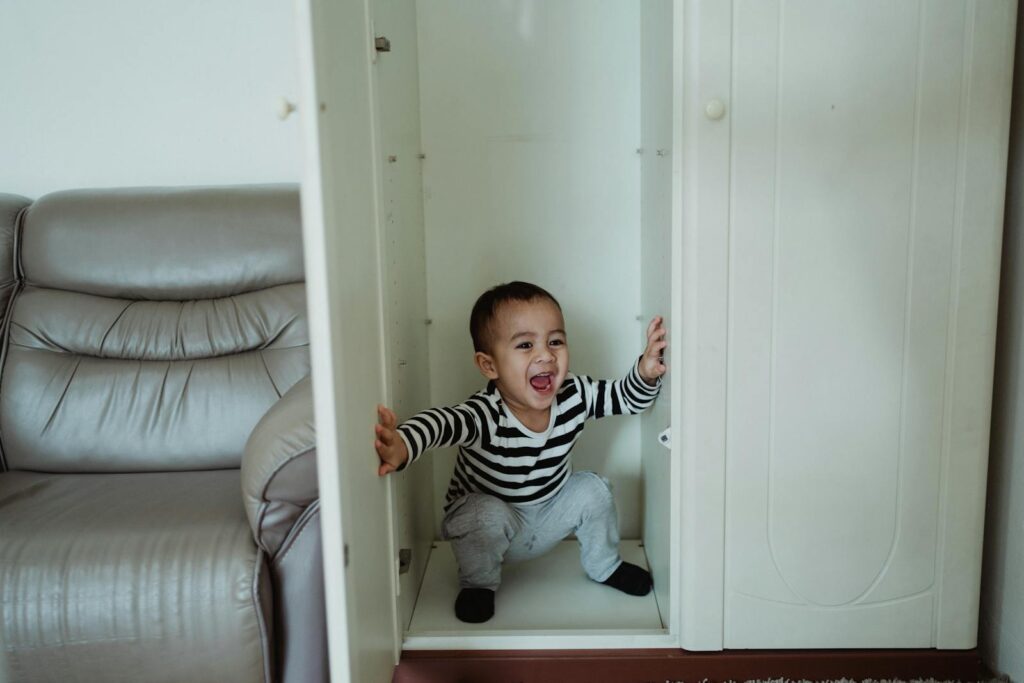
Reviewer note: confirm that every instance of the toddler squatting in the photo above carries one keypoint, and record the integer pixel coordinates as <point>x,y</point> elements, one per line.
<point>513,495</point>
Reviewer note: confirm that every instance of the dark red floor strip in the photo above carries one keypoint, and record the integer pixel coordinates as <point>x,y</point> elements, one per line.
<point>658,666</point>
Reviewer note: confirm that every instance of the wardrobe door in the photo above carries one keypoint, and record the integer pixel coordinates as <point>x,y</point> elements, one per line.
<point>342,241</point>
<point>866,154</point>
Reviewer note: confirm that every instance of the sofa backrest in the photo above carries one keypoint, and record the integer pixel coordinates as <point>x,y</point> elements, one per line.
<point>152,328</point>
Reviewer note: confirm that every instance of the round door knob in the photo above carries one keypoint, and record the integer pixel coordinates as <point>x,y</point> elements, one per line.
<point>284,108</point>
<point>715,109</point>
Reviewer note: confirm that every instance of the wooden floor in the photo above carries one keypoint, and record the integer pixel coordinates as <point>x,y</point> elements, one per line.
<point>650,666</point>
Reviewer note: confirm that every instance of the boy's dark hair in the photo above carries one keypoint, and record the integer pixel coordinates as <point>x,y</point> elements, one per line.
<point>486,307</point>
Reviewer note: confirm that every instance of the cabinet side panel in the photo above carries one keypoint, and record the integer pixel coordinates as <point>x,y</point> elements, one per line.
<point>1001,618</point>
<point>656,257</point>
<point>404,278</point>
<point>985,131</point>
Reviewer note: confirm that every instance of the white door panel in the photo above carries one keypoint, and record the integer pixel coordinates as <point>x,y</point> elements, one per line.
<point>846,154</point>
<point>341,233</point>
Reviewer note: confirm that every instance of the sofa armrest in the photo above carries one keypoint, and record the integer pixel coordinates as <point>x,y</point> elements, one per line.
<point>279,467</point>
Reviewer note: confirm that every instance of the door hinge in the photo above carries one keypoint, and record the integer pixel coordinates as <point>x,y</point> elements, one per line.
<point>382,44</point>
<point>402,564</point>
<point>346,554</point>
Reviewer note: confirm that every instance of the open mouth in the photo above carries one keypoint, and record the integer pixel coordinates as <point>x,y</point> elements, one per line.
<point>543,382</point>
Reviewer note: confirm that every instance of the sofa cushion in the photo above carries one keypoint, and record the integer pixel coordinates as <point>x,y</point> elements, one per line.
<point>93,384</point>
<point>154,328</point>
<point>164,244</point>
<point>156,572</point>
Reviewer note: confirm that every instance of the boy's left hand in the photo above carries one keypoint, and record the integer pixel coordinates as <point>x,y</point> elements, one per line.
<point>652,363</point>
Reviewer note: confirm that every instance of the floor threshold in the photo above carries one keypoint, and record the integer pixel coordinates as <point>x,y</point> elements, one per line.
<point>644,666</point>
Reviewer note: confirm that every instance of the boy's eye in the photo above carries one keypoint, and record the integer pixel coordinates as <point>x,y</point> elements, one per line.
<point>524,345</point>
<point>557,342</point>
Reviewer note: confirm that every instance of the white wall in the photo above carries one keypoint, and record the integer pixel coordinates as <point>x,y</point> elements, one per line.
<point>1001,625</point>
<point>531,121</point>
<point>108,93</point>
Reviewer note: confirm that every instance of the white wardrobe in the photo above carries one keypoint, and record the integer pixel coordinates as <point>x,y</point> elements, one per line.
<point>810,192</point>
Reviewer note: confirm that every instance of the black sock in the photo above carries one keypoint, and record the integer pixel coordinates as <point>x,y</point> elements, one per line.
<point>474,605</point>
<point>631,579</point>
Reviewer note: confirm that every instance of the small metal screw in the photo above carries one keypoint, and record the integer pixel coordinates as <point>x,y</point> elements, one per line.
<point>392,158</point>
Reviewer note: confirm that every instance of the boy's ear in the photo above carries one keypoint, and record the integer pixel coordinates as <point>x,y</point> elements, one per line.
<point>486,365</point>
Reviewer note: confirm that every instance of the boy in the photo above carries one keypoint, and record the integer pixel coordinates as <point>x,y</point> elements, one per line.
<point>513,494</point>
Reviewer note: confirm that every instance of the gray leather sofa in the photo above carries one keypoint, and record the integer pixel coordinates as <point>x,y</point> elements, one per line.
<point>158,499</point>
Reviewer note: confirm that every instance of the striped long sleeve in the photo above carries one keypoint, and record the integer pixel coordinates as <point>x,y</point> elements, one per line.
<point>499,456</point>
<point>627,396</point>
<point>438,428</point>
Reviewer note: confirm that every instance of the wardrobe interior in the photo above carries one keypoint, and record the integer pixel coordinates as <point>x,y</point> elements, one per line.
<point>527,140</point>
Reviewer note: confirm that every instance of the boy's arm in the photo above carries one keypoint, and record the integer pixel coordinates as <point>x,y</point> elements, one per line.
<point>397,446</point>
<point>626,396</point>
<point>635,392</point>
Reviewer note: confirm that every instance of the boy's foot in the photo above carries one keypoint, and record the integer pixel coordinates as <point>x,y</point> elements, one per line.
<point>631,579</point>
<point>474,605</point>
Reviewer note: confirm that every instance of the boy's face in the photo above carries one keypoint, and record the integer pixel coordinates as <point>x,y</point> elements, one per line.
<point>528,356</point>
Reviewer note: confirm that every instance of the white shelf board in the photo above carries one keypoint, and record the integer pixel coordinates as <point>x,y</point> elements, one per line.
<point>546,601</point>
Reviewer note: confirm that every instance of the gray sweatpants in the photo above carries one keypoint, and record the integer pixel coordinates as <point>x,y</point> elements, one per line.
<point>485,531</point>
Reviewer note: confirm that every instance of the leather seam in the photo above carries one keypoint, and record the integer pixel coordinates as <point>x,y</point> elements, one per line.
<point>8,317</point>
<point>260,617</point>
<point>103,342</point>
<point>260,514</point>
<point>293,539</point>
<point>89,641</point>
<point>81,354</point>
<point>277,470</point>
<point>180,301</point>
<point>99,599</point>
<point>266,369</point>
<point>265,502</point>
<point>19,229</point>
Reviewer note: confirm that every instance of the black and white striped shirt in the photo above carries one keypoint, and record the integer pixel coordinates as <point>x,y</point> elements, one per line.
<point>501,457</point>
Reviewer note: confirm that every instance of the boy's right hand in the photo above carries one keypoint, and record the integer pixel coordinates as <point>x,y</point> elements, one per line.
<point>390,446</point>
